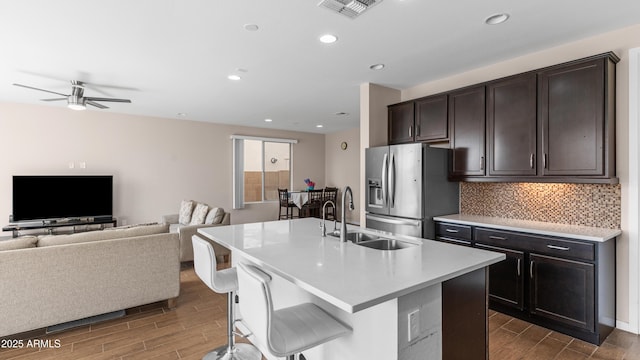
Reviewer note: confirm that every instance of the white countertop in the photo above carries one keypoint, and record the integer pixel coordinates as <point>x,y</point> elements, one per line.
<point>535,227</point>
<point>349,276</point>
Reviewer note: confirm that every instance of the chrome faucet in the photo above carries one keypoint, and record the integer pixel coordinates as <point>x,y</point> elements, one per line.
<point>322,225</point>
<point>343,215</point>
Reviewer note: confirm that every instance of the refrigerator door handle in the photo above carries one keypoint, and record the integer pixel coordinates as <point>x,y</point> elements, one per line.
<point>394,221</point>
<point>385,169</point>
<point>392,181</point>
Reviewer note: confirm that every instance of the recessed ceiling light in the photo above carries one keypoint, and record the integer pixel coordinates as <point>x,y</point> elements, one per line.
<point>496,19</point>
<point>182,114</point>
<point>342,113</point>
<point>251,27</point>
<point>376,67</point>
<point>328,39</point>
<point>234,77</point>
<point>268,120</point>
<point>319,126</point>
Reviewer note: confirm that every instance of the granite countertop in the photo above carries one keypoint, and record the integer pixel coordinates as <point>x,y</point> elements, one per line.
<point>349,276</point>
<point>535,227</point>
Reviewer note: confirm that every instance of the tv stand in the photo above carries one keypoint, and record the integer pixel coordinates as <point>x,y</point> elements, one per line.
<point>51,225</point>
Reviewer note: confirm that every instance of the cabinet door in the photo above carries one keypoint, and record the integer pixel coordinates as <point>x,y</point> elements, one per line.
<point>511,126</point>
<point>466,124</point>
<point>562,290</point>
<point>506,279</point>
<point>431,118</point>
<point>401,121</point>
<point>571,111</point>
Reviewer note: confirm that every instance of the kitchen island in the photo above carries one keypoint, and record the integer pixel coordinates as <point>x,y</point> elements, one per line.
<point>375,291</point>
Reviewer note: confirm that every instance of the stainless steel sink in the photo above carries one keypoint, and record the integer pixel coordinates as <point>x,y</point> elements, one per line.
<point>374,241</point>
<point>386,244</point>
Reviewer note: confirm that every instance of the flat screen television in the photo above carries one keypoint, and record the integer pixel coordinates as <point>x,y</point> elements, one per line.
<point>62,197</point>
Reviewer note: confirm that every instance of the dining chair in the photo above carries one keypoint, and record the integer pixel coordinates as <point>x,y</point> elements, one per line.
<point>313,206</point>
<point>286,204</point>
<point>330,194</point>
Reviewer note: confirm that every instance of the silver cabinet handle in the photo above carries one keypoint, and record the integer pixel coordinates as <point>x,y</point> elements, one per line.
<point>518,267</point>
<point>531,158</point>
<point>544,161</point>
<point>451,231</point>
<point>531,269</point>
<point>417,130</point>
<point>410,130</point>
<point>497,237</point>
<point>554,247</point>
<point>481,162</point>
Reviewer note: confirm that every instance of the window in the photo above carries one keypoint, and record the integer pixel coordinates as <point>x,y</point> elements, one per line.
<point>261,166</point>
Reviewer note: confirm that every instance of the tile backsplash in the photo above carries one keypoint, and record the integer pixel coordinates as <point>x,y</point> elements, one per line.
<point>576,204</point>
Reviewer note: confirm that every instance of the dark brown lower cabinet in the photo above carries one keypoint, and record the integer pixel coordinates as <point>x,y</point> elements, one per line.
<point>506,282</point>
<point>566,285</point>
<point>572,282</point>
<point>465,333</point>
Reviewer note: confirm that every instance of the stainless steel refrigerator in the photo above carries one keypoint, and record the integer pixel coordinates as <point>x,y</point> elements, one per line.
<point>406,186</point>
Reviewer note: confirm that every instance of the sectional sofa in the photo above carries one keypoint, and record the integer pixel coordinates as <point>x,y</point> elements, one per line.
<point>53,279</point>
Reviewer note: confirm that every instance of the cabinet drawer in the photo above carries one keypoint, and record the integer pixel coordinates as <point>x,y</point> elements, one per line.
<point>562,248</point>
<point>455,241</point>
<point>536,243</point>
<point>453,231</point>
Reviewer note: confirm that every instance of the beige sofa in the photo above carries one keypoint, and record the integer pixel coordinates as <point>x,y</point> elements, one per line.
<point>186,231</point>
<point>54,279</point>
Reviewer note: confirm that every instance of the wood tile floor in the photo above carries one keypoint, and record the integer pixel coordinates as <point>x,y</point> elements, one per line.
<point>198,324</point>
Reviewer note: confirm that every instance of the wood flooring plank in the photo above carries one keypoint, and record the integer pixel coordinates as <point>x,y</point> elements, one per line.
<point>198,325</point>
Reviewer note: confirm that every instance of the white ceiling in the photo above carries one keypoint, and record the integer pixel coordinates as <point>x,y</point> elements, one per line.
<point>174,56</point>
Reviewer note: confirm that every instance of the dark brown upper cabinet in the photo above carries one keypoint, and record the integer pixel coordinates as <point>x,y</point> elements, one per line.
<point>576,116</point>
<point>401,123</point>
<point>511,126</point>
<point>467,129</point>
<point>431,118</point>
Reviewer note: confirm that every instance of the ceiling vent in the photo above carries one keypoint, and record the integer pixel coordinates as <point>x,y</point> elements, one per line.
<point>350,8</point>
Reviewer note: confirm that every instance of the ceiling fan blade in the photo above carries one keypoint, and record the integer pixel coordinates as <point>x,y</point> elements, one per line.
<point>56,99</point>
<point>108,99</point>
<point>99,106</point>
<point>34,88</point>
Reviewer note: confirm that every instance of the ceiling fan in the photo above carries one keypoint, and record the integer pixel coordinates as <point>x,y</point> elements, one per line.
<point>76,100</point>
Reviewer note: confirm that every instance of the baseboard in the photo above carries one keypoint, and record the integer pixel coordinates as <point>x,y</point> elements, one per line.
<point>85,321</point>
<point>626,327</point>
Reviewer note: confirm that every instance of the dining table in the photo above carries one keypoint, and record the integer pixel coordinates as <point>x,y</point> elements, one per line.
<point>299,198</point>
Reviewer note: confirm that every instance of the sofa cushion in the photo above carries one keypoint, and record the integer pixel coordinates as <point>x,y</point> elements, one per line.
<point>199,214</point>
<point>214,216</point>
<point>186,209</point>
<point>53,240</point>
<point>24,242</point>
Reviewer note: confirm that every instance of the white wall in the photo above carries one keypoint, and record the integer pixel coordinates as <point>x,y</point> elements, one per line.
<point>155,162</point>
<point>342,167</point>
<point>620,42</point>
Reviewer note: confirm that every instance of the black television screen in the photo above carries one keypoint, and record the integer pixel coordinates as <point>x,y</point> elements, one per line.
<point>62,197</point>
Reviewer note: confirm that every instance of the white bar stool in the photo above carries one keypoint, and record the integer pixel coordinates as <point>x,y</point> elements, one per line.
<point>223,281</point>
<point>287,331</point>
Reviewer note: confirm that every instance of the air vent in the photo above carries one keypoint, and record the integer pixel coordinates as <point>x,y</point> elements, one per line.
<point>350,8</point>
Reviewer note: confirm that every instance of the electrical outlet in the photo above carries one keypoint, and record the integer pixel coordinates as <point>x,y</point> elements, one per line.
<point>414,324</point>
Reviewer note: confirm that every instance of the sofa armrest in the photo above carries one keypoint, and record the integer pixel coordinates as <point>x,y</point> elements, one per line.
<point>186,247</point>
<point>170,219</point>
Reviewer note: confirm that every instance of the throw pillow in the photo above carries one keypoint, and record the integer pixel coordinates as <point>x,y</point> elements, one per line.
<point>24,242</point>
<point>186,208</point>
<point>214,216</point>
<point>199,214</point>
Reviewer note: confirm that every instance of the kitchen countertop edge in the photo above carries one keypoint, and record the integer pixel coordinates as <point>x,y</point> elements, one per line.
<point>587,233</point>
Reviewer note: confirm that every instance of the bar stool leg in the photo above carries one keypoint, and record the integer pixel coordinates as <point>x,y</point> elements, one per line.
<point>233,351</point>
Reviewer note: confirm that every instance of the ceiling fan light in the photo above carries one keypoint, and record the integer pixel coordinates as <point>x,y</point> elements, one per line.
<point>76,106</point>
<point>76,103</point>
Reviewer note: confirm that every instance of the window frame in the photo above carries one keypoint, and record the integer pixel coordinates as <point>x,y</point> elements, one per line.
<point>238,166</point>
